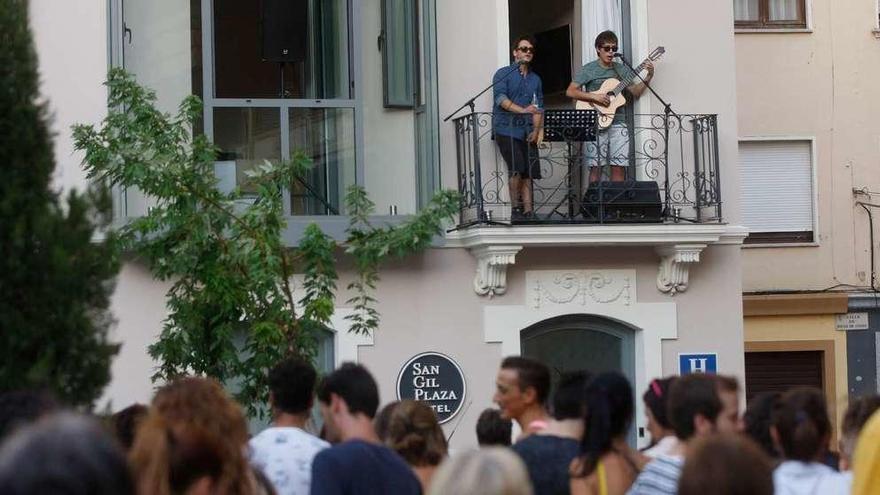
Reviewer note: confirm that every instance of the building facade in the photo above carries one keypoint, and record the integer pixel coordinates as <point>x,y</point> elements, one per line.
<point>809,146</point>
<point>364,91</point>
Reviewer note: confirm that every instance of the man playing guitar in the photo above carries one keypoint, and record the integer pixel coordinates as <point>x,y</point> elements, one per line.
<point>612,144</point>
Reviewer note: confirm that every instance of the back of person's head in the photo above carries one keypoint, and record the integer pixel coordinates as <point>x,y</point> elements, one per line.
<point>410,428</point>
<point>727,383</point>
<point>63,454</point>
<point>866,467</point>
<point>726,464</point>
<point>126,422</point>
<point>693,399</point>
<point>857,414</point>
<point>801,424</point>
<point>608,401</point>
<point>22,407</point>
<point>757,420</point>
<point>489,471</point>
<point>194,433</point>
<point>605,37</point>
<point>656,399</point>
<point>353,384</point>
<point>530,373</point>
<point>568,399</point>
<point>292,385</point>
<point>492,429</point>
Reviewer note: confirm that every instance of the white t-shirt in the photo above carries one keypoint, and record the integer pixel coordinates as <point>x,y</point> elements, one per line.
<point>285,456</point>
<point>797,478</point>
<point>664,447</point>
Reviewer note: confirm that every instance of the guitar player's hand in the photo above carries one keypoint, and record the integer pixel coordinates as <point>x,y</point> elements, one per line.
<point>603,100</point>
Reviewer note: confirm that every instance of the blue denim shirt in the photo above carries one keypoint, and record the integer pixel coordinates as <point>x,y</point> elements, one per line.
<point>522,90</point>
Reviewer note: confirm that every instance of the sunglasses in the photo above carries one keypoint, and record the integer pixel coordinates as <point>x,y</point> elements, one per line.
<point>609,48</point>
<point>526,49</point>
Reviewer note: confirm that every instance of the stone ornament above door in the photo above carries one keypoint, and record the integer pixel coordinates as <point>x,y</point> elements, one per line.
<point>580,287</point>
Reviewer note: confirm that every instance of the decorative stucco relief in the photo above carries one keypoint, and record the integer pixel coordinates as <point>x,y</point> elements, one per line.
<point>580,287</point>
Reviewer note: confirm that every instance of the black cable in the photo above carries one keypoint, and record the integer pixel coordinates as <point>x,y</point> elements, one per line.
<point>871,234</point>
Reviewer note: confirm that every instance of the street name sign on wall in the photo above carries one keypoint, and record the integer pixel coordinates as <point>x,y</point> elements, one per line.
<point>435,379</point>
<point>697,363</point>
<point>852,321</point>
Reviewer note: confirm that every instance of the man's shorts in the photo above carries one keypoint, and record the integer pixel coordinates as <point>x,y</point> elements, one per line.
<point>610,148</point>
<point>520,156</point>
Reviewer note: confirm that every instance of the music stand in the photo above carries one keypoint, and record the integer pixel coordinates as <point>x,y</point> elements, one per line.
<point>570,126</point>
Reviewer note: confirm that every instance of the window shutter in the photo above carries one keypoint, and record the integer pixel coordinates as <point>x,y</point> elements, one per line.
<point>777,186</point>
<point>399,53</point>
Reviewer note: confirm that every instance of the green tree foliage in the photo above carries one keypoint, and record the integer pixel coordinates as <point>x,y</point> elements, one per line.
<point>232,309</point>
<point>55,282</point>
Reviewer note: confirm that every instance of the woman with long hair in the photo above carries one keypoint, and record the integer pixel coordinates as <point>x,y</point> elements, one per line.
<point>487,471</point>
<point>192,442</point>
<point>607,464</point>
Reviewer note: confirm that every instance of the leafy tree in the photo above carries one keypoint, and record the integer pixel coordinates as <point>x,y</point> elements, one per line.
<point>232,310</point>
<point>55,281</point>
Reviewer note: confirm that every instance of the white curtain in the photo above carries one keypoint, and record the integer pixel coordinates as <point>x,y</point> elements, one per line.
<point>746,10</point>
<point>783,10</point>
<point>598,16</point>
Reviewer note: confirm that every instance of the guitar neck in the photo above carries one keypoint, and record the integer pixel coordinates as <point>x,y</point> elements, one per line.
<point>626,81</point>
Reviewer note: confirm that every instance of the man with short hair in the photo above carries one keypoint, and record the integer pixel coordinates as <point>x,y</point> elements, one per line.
<point>521,390</point>
<point>359,463</point>
<point>729,421</point>
<point>694,408</point>
<point>548,453</point>
<point>612,145</point>
<point>517,119</point>
<point>284,451</point>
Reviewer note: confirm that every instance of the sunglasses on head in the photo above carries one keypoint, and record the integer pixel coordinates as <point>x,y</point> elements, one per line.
<point>526,49</point>
<point>609,48</point>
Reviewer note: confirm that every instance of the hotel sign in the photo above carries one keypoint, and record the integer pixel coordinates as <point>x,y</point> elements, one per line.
<point>435,379</point>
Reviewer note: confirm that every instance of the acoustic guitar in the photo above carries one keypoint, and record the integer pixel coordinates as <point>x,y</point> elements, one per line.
<point>614,89</point>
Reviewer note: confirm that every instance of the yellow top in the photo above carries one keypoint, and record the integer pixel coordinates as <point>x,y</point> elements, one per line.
<point>866,466</point>
<point>603,483</point>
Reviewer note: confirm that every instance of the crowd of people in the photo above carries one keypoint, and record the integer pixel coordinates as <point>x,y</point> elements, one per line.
<point>193,439</point>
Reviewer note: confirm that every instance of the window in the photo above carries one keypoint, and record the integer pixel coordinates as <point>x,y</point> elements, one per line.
<point>399,54</point>
<point>770,14</point>
<point>777,190</point>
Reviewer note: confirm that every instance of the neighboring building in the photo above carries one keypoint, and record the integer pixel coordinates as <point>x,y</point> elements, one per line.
<point>809,144</point>
<point>575,293</point>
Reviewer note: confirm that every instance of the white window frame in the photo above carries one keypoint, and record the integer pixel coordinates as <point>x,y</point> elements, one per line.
<point>808,13</point>
<point>814,186</point>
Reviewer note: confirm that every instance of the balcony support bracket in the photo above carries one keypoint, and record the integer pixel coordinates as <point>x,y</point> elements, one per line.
<point>492,262</point>
<point>675,264</point>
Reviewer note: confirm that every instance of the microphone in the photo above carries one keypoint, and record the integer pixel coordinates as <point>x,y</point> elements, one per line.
<point>617,55</point>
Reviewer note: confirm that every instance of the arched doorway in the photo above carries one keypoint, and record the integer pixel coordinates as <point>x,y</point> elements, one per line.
<point>577,342</point>
<point>582,342</point>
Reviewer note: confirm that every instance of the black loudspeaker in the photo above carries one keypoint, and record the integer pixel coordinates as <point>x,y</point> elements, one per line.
<point>285,30</point>
<point>623,202</point>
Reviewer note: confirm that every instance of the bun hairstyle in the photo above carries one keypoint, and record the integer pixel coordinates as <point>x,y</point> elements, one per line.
<point>608,400</point>
<point>410,428</point>
<point>802,424</point>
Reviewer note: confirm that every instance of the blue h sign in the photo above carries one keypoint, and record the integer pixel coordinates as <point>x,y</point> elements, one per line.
<point>697,363</point>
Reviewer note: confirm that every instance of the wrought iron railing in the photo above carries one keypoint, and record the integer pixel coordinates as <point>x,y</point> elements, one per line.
<point>671,172</point>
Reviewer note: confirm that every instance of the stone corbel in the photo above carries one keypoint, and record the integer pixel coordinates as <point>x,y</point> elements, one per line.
<point>492,261</point>
<point>675,263</point>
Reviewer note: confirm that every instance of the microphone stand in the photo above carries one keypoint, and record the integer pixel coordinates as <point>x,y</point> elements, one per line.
<point>667,111</point>
<point>470,103</point>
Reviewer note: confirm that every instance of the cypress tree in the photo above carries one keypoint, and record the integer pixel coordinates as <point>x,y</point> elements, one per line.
<point>55,278</point>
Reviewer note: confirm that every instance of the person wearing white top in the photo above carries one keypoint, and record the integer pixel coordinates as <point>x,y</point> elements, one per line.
<point>284,451</point>
<point>801,431</point>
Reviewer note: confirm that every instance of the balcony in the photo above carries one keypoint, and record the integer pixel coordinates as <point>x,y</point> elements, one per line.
<point>669,198</point>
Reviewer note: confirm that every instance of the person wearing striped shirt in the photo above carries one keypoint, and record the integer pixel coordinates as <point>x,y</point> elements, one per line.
<point>694,411</point>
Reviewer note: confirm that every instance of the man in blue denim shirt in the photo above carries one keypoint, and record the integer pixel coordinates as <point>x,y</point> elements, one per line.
<point>516,122</point>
